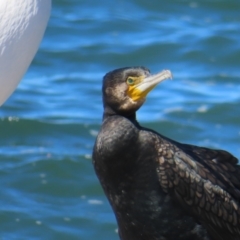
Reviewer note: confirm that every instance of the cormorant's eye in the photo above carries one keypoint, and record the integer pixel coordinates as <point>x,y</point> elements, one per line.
<point>130,81</point>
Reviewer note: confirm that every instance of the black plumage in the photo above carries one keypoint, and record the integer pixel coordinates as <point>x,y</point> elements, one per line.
<point>161,189</point>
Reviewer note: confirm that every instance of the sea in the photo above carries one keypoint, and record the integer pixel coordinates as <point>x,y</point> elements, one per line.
<point>49,124</point>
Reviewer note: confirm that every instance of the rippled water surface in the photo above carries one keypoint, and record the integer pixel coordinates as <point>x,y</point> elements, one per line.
<point>49,189</point>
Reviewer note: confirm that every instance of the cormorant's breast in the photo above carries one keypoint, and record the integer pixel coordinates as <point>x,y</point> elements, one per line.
<point>125,162</point>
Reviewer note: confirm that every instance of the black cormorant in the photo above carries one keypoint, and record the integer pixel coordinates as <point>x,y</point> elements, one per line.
<point>161,189</point>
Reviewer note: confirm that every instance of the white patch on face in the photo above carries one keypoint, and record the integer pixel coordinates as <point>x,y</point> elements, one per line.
<point>121,92</point>
<point>128,104</point>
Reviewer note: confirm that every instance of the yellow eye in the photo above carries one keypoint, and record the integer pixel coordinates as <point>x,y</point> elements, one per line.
<point>130,81</point>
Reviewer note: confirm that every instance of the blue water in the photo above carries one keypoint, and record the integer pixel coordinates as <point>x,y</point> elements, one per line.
<point>48,126</point>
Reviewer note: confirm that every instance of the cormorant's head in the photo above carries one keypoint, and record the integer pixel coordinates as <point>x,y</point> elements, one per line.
<point>125,89</point>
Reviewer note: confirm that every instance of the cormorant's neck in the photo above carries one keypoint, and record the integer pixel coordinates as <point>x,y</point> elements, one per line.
<point>109,112</point>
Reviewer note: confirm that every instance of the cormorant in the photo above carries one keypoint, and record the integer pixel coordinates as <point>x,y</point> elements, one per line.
<point>160,189</point>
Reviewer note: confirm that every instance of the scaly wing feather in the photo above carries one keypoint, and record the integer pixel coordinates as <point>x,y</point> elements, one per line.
<point>205,182</point>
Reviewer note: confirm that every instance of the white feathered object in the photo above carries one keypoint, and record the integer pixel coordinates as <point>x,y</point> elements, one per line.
<point>22,25</point>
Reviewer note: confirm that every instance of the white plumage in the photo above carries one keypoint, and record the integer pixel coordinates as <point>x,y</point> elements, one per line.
<point>22,25</point>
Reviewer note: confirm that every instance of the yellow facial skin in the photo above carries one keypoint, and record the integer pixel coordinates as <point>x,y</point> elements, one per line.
<point>139,87</point>
<point>133,92</point>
